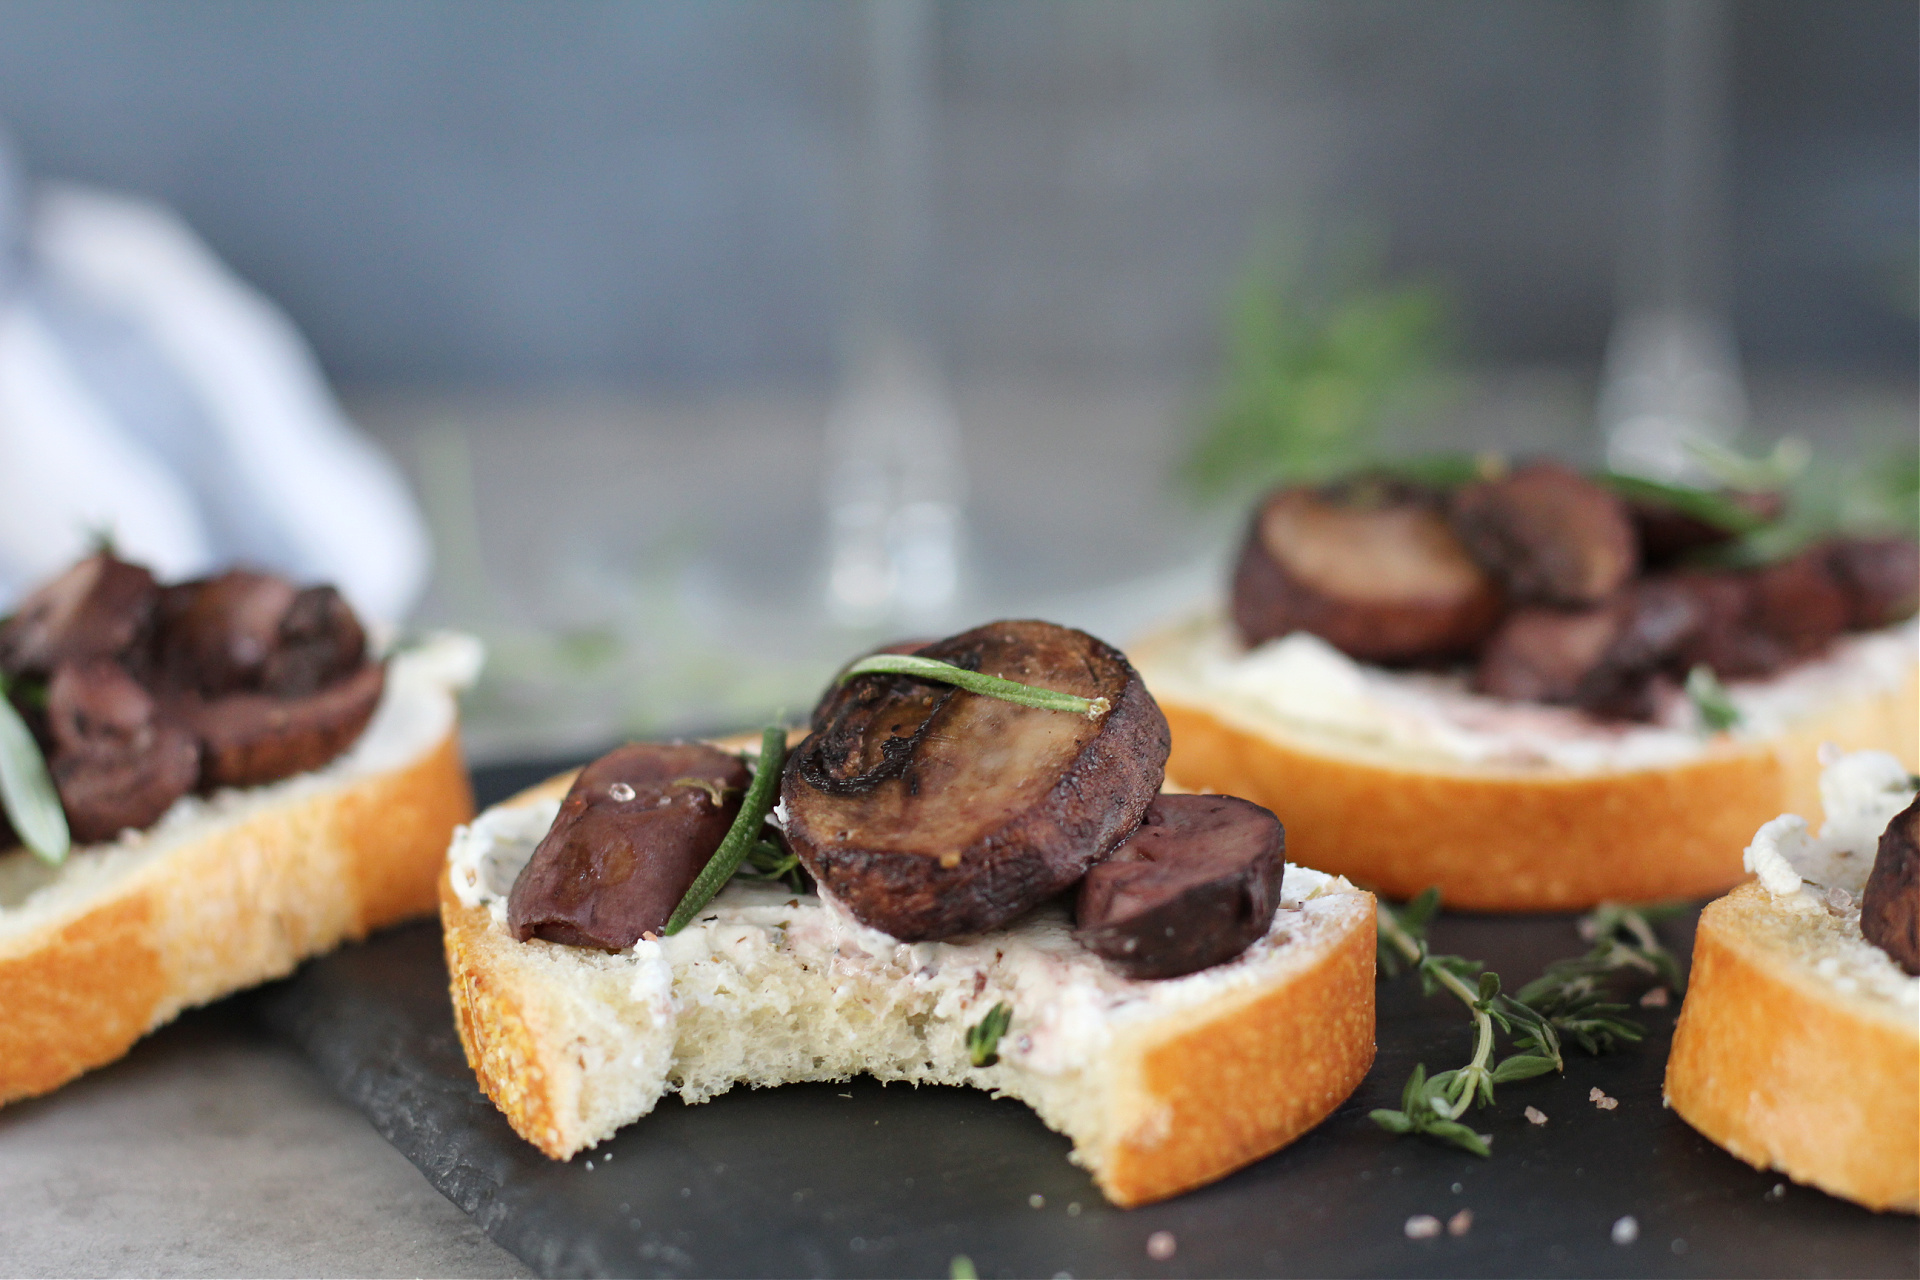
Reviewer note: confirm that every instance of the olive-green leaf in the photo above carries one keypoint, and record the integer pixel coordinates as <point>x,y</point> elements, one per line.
<point>26,789</point>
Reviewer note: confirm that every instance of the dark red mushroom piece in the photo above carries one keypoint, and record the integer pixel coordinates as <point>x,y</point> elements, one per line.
<point>634,832</point>
<point>248,739</point>
<point>1611,660</point>
<point>1195,886</point>
<point>1370,566</point>
<point>100,608</point>
<point>1880,578</point>
<point>215,634</point>
<point>320,641</point>
<point>1890,911</point>
<point>117,762</point>
<point>1549,534</point>
<point>1667,534</point>
<point>931,812</point>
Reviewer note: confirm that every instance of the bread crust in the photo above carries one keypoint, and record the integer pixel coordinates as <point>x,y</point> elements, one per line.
<point>1191,1097</point>
<point>243,904</point>
<point>1536,840</point>
<point>1787,1073</point>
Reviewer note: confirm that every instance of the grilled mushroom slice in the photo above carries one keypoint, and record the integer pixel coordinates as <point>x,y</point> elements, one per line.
<point>215,634</point>
<point>117,762</point>
<point>319,641</point>
<point>1880,577</point>
<point>1609,659</point>
<point>1195,886</point>
<point>1549,533</point>
<point>100,608</point>
<point>1890,911</point>
<point>1370,566</point>
<point>251,738</point>
<point>931,812</point>
<point>1799,602</point>
<point>632,835</point>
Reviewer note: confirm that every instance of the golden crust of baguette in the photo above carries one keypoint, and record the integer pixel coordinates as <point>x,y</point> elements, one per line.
<point>243,904</point>
<point>1540,840</point>
<point>1195,1097</point>
<point>1784,1071</point>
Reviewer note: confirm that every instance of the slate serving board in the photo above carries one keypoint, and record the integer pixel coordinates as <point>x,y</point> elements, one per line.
<point>861,1180</point>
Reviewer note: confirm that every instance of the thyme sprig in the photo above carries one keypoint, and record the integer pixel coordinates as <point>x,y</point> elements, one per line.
<point>1710,699</point>
<point>1026,695</point>
<point>742,836</point>
<point>983,1037</point>
<point>27,793</point>
<point>766,861</point>
<point>1567,1002</point>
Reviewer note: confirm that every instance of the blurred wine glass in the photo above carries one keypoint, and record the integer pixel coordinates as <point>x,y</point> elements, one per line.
<point>894,481</point>
<point>1671,386</point>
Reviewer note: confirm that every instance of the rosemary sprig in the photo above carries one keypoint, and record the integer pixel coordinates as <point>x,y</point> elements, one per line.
<point>983,1037</point>
<point>1026,695</point>
<point>741,836</point>
<point>1710,699</point>
<point>1567,1002</point>
<point>27,793</point>
<point>1703,505</point>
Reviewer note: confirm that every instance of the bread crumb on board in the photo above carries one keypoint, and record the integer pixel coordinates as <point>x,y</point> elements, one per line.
<point>1535,1115</point>
<point>1599,1098</point>
<point>1160,1245</point>
<point>1422,1226</point>
<point>1460,1223</point>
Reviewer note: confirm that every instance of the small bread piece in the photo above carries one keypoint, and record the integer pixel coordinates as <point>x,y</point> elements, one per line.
<point>1516,837</point>
<point>1798,1047</point>
<point>231,890</point>
<point>1172,1087</point>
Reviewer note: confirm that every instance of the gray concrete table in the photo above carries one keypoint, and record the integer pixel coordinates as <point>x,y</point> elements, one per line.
<point>211,1150</point>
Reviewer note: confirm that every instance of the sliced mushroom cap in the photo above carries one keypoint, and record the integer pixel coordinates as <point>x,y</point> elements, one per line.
<point>117,763</point>
<point>1890,911</point>
<point>1800,602</point>
<point>634,832</point>
<point>931,812</point>
<point>1196,885</point>
<point>252,738</point>
<point>320,640</point>
<point>214,635</point>
<point>1880,577</point>
<point>821,707</point>
<point>1370,567</point>
<point>1727,640</point>
<point>1612,659</point>
<point>1548,533</point>
<point>1666,534</point>
<point>100,608</point>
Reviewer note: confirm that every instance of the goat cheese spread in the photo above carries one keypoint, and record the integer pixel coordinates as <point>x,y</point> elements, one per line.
<point>1301,683</point>
<point>1825,875</point>
<point>751,939</point>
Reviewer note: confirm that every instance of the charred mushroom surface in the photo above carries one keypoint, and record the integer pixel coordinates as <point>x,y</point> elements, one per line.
<point>100,608</point>
<point>1550,534</point>
<point>633,833</point>
<point>1370,567</point>
<point>931,812</point>
<point>117,763</point>
<point>1890,911</point>
<point>1196,885</point>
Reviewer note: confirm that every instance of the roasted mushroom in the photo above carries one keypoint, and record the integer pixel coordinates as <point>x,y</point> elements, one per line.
<point>1666,533</point>
<point>216,634</point>
<point>931,812</point>
<point>117,761</point>
<point>252,738</point>
<point>1890,911</point>
<point>1880,578</point>
<point>1196,885</point>
<point>1369,566</point>
<point>633,833</point>
<point>100,608</point>
<point>320,641</point>
<point>1609,659</point>
<point>1549,534</point>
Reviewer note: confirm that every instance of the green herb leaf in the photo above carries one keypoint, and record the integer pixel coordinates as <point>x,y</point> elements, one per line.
<point>1459,1135</point>
<point>1704,505</point>
<point>1026,695</point>
<point>1710,699</point>
<point>961,1268</point>
<point>27,792</point>
<point>1391,1121</point>
<point>983,1037</point>
<point>1523,1066</point>
<point>742,835</point>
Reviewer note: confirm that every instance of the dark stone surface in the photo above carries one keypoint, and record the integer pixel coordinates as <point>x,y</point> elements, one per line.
<point>859,1180</point>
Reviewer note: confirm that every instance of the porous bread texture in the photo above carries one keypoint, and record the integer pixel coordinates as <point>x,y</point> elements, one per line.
<point>1788,1069</point>
<point>1504,838</point>
<point>233,890</point>
<point>1798,1046</point>
<point>1160,1093</point>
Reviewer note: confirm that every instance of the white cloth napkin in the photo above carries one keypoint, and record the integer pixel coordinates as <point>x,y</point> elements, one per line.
<point>149,393</point>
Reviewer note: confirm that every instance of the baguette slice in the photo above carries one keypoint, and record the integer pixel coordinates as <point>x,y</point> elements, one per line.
<point>228,891</point>
<point>1162,1086</point>
<point>1798,1046</point>
<point>1524,837</point>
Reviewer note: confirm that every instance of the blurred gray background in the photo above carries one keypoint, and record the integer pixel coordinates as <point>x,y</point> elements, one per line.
<point>585,267</point>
